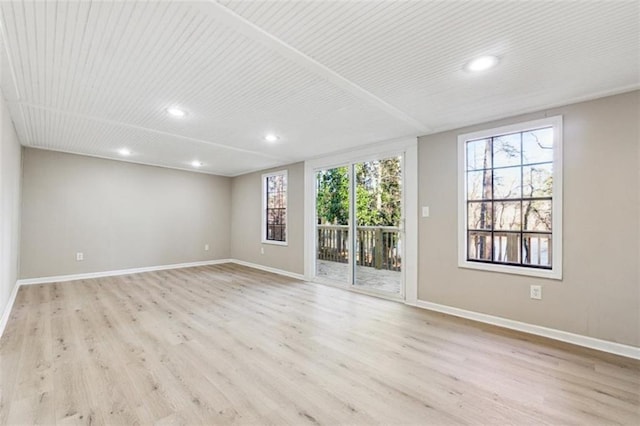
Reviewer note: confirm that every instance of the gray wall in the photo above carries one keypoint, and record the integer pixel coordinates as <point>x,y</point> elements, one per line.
<point>600,293</point>
<point>123,215</point>
<point>10,176</point>
<point>246,220</point>
<point>120,215</point>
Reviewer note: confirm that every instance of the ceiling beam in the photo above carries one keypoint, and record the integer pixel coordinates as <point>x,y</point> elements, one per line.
<point>147,129</point>
<point>234,21</point>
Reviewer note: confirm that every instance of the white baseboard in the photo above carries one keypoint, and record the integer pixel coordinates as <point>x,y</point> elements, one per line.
<point>269,269</point>
<point>74,277</point>
<point>101,274</point>
<point>7,309</point>
<point>563,336</point>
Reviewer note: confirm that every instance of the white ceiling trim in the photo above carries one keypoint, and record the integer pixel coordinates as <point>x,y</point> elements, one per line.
<point>539,108</point>
<point>143,163</point>
<point>255,33</point>
<point>147,129</point>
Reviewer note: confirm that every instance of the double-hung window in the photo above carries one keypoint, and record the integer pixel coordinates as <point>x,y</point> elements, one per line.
<point>274,208</point>
<point>510,199</point>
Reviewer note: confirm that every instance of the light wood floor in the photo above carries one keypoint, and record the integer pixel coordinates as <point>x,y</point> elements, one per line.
<point>228,344</point>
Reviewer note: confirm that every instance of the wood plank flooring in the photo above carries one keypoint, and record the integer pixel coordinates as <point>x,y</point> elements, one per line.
<point>228,344</point>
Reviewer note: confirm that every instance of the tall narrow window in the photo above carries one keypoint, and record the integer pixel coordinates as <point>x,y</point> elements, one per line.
<point>510,206</point>
<point>274,208</point>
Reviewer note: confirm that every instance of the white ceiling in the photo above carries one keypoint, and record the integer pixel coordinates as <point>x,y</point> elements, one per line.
<point>94,77</point>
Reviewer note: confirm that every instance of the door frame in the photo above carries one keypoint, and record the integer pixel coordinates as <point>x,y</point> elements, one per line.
<point>409,149</point>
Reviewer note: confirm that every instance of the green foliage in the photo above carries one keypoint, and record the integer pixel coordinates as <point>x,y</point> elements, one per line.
<point>332,199</point>
<point>378,194</point>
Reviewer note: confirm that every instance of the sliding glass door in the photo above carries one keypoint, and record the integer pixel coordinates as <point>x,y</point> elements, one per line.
<point>333,242</point>
<point>378,189</point>
<point>359,216</point>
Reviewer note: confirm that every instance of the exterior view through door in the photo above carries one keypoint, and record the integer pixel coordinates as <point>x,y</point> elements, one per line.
<point>370,192</point>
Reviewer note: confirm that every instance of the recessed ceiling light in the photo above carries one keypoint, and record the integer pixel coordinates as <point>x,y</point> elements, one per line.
<point>124,152</point>
<point>482,63</point>
<point>196,163</point>
<point>176,112</point>
<point>271,137</point>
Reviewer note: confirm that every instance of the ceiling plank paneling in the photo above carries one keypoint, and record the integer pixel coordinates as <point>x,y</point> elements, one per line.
<point>412,53</point>
<point>326,76</point>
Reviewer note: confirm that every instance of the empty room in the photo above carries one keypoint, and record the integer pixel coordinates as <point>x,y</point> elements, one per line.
<point>284,212</point>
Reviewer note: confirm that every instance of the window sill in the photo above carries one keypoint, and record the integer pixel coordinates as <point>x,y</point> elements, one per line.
<point>275,243</point>
<point>553,274</point>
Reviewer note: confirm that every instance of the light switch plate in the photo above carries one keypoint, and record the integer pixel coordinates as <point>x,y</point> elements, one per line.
<point>425,211</point>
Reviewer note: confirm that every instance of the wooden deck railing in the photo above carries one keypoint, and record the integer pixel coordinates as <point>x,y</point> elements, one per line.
<point>376,246</point>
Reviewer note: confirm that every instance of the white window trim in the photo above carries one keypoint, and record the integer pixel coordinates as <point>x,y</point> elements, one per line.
<point>556,271</point>
<point>263,227</point>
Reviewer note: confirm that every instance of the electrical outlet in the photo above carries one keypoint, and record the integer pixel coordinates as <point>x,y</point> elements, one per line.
<point>206,247</point>
<point>261,250</point>
<point>425,211</point>
<point>535,291</point>
<point>79,256</point>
